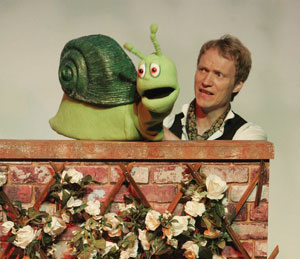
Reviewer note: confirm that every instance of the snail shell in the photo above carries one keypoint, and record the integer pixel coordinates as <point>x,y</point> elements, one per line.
<point>94,69</point>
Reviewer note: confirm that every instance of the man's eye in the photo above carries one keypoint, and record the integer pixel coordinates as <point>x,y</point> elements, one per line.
<point>220,75</point>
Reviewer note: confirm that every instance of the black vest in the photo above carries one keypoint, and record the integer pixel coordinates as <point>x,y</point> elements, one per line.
<point>230,128</point>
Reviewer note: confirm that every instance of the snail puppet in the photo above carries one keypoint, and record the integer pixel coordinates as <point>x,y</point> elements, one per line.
<point>106,99</point>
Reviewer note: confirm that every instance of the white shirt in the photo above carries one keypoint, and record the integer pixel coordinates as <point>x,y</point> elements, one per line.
<point>249,131</point>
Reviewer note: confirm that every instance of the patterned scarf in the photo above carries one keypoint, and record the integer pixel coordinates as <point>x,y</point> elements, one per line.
<point>191,126</point>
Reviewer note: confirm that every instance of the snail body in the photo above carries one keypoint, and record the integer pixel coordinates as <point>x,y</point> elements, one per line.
<point>103,98</point>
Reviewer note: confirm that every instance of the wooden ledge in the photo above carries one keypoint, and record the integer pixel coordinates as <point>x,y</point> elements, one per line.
<point>139,150</point>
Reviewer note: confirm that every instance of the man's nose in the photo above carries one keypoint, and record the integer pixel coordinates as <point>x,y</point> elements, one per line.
<point>208,80</point>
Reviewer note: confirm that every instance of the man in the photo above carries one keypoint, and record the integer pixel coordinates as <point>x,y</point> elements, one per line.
<point>222,68</point>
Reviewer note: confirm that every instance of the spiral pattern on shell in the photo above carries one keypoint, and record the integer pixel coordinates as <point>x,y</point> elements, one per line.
<point>94,69</point>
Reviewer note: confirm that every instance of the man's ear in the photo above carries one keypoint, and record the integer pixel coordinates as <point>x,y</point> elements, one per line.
<point>237,87</point>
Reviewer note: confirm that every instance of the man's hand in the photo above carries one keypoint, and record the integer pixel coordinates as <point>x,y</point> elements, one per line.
<point>168,135</point>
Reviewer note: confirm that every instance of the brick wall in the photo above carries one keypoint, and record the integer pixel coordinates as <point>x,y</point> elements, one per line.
<point>157,170</point>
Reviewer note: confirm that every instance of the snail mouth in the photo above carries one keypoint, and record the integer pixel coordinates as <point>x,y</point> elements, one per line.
<point>158,93</point>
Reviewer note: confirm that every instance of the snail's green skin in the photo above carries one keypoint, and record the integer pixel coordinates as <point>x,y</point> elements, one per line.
<point>81,118</point>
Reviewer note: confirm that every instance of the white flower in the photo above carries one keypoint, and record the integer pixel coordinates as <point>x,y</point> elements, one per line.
<point>65,217</point>
<point>130,252</point>
<point>93,207</point>
<point>215,187</point>
<point>198,196</point>
<point>173,242</point>
<point>55,227</point>
<point>152,220</point>
<point>143,238</point>
<point>180,224</point>
<point>74,203</point>
<point>2,179</point>
<point>116,224</point>
<point>24,236</point>
<point>194,208</point>
<point>108,246</point>
<point>219,257</point>
<point>6,227</point>
<point>76,176</point>
<point>126,208</point>
<point>191,250</point>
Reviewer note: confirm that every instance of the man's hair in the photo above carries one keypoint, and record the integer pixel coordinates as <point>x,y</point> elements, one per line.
<point>231,48</point>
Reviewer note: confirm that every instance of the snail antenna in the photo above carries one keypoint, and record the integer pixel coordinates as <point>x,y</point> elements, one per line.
<point>154,29</point>
<point>136,52</point>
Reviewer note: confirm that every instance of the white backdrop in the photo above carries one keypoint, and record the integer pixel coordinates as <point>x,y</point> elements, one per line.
<point>33,34</point>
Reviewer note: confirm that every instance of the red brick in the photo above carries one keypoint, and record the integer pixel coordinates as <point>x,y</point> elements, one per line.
<point>139,174</point>
<point>162,207</point>
<point>259,213</point>
<point>229,173</point>
<point>101,192</point>
<point>99,174</point>
<point>166,174</point>
<point>255,170</point>
<point>37,191</point>
<point>243,213</point>
<point>159,193</point>
<point>30,174</point>
<point>98,192</point>
<point>237,192</point>
<point>261,248</point>
<point>251,230</point>
<point>232,252</point>
<point>20,193</point>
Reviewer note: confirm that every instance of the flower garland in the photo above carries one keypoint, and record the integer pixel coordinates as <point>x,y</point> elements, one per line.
<point>135,231</point>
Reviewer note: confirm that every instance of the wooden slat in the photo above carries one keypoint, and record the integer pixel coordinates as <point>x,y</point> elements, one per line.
<point>261,173</point>
<point>274,253</point>
<point>116,150</point>
<point>134,185</point>
<point>42,197</point>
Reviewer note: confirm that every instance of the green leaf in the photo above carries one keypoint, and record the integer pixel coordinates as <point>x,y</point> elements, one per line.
<point>220,210</point>
<point>65,197</point>
<point>100,243</point>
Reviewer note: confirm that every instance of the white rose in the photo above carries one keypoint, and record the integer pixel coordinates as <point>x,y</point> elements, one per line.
<point>191,250</point>
<point>65,217</point>
<point>76,176</point>
<point>6,227</point>
<point>194,208</point>
<point>24,236</point>
<point>152,220</point>
<point>143,238</point>
<point>126,208</point>
<point>198,196</point>
<point>108,246</point>
<point>115,229</point>
<point>180,224</point>
<point>130,252</point>
<point>215,187</point>
<point>55,227</point>
<point>219,257</point>
<point>74,203</point>
<point>2,179</point>
<point>173,242</point>
<point>93,207</point>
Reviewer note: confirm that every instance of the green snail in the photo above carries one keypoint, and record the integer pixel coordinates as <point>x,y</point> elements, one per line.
<point>106,99</point>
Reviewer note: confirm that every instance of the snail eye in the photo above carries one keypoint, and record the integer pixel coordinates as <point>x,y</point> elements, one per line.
<point>154,69</point>
<point>142,71</point>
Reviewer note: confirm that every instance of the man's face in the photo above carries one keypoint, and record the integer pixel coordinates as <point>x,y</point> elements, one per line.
<point>214,81</point>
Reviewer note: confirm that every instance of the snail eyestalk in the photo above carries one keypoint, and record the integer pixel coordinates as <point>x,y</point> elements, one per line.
<point>136,52</point>
<point>154,29</point>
